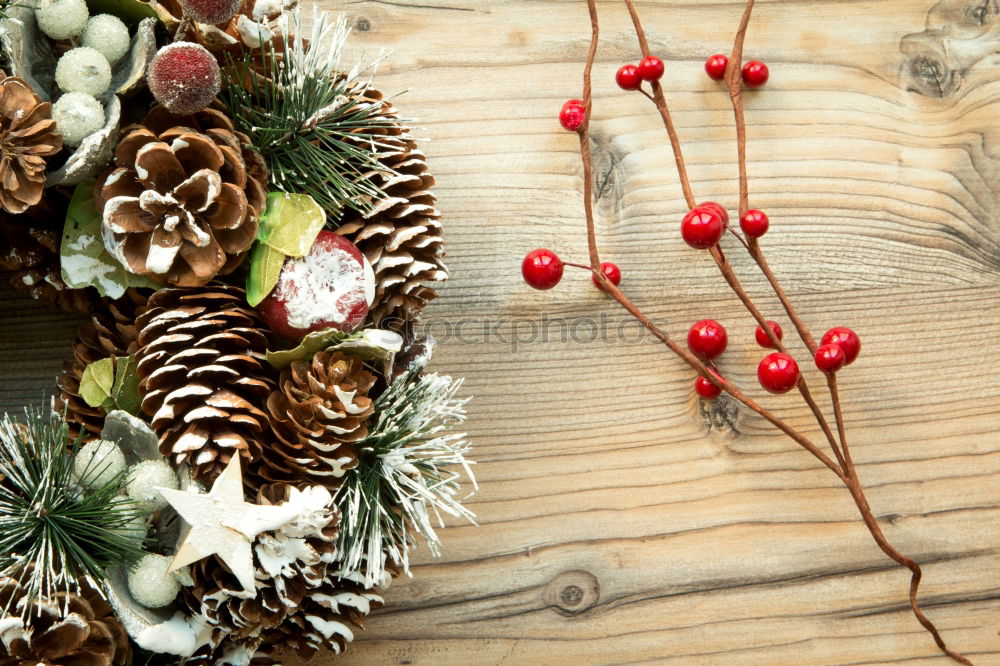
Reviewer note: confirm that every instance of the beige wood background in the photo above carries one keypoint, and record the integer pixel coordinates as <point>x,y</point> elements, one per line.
<point>620,520</point>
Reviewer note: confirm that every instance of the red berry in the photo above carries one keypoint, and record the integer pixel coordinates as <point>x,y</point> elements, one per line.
<point>702,228</point>
<point>628,77</point>
<point>763,339</point>
<point>754,223</point>
<point>718,208</point>
<point>706,389</point>
<point>331,287</point>
<point>707,339</point>
<point>846,339</point>
<point>778,373</point>
<point>572,115</point>
<point>755,73</point>
<point>610,271</point>
<point>542,269</point>
<point>715,66</point>
<point>830,358</point>
<point>184,77</point>
<point>211,11</point>
<point>650,68</point>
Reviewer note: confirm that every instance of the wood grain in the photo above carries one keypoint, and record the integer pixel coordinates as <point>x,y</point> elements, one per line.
<point>620,521</point>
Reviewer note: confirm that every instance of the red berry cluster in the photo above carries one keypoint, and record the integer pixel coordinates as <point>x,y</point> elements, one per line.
<point>754,72</point>
<point>707,339</point>
<point>631,77</point>
<point>543,269</point>
<point>704,225</point>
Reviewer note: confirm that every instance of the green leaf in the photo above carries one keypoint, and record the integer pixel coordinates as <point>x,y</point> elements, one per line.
<point>291,222</point>
<point>125,392</point>
<point>265,267</point>
<point>371,343</point>
<point>97,382</point>
<point>129,11</point>
<point>84,259</point>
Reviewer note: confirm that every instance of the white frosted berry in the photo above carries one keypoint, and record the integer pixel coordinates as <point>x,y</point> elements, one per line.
<point>97,463</point>
<point>83,70</point>
<point>134,528</point>
<point>184,77</point>
<point>107,35</point>
<point>145,478</point>
<point>150,584</point>
<point>77,116</point>
<point>62,19</point>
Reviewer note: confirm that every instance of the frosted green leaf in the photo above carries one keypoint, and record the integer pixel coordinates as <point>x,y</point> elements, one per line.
<point>84,259</point>
<point>265,267</point>
<point>291,222</point>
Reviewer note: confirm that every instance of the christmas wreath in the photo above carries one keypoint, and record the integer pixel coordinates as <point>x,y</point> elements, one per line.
<point>246,446</point>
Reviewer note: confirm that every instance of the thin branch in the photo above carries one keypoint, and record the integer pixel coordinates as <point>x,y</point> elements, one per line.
<point>584,132</point>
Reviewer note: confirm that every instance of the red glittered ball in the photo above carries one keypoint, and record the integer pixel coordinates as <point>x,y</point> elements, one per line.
<point>542,269</point>
<point>184,77</point>
<point>707,339</point>
<point>572,115</point>
<point>702,227</point>
<point>211,11</point>
<point>778,373</point>
<point>846,339</point>
<point>610,271</point>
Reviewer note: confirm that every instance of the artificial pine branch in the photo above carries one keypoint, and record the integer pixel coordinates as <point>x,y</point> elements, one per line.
<point>318,132</point>
<point>52,531</point>
<point>404,478</point>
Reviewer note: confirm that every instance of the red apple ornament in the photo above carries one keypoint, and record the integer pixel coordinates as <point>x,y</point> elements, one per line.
<point>331,287</point>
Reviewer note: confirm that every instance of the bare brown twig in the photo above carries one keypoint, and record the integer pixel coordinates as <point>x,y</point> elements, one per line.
<point>844,467</point>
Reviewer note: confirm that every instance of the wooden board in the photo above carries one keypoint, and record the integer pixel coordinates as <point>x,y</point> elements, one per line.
<point>620,521</point>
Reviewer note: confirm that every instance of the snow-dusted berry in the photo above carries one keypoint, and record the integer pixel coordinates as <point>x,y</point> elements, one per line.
<point>150,584</point>
<point>145,478</point>
<point>184,77</point>
<point>77,116</point>
<point>97,463</point>
<point>83,70</point>
<point>107,35</point>
<point>211,11</point>
<point>328,288</point>
<point>62,19</point>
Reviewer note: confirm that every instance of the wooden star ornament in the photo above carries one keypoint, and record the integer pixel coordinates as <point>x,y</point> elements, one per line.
<point>223,524</point>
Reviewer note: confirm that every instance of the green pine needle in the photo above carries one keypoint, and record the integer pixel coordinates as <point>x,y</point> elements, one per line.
<point>52,531</point>
<point>316,131</point>
<point>406,477</point>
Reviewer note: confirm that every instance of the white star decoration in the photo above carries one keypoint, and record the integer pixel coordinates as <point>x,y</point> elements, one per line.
<point>223,524</point>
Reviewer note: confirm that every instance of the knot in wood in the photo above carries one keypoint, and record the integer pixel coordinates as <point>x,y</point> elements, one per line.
<point>572,592</point>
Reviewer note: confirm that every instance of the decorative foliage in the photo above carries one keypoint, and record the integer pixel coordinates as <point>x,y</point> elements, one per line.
<point>111,384</point>
<point>405,478</point>
<point>309,118</point>
<point>52,531</point>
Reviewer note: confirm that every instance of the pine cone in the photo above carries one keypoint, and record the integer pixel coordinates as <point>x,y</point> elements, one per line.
<point>201,361</point>
<point>180,206</point>
<point>27,136</point>
<point>320,407</point>
<point>110,332</point>
<point>401,236</point>
<point>89,635</point>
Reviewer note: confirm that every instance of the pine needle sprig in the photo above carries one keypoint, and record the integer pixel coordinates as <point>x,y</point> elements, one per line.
<point>52,531</point>
<point>406,477</point>
<point>318,132</point>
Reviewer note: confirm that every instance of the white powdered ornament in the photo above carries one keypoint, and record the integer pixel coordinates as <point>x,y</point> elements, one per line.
<point>151,583</point>
<point>318,285</point>
<point>83,70</point>
<point>97,463</point>
<point>77,116</point>
<point>144,481</point>
<point>107,35</point>
<point>134,529</point>
<point>62,19</point>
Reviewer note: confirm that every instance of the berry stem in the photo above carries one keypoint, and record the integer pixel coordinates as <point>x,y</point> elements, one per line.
<point>584,132</point>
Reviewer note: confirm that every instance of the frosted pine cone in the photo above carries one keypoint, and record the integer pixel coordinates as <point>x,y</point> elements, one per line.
<point>180,206</point>
<point>319,409</point>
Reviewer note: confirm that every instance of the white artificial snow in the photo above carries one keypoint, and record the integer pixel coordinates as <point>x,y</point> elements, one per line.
<point>83,70</point>
<point>175,636</point>
<point>317,287</point>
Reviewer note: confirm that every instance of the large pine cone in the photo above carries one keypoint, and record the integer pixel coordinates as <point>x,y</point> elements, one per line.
<point>401,235</point>
<point>201,361</point>
<point>319,409</point>
<point>181,206</point>
<point>110,333</point>
<point>27,136</point>
<point>89,635</point>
